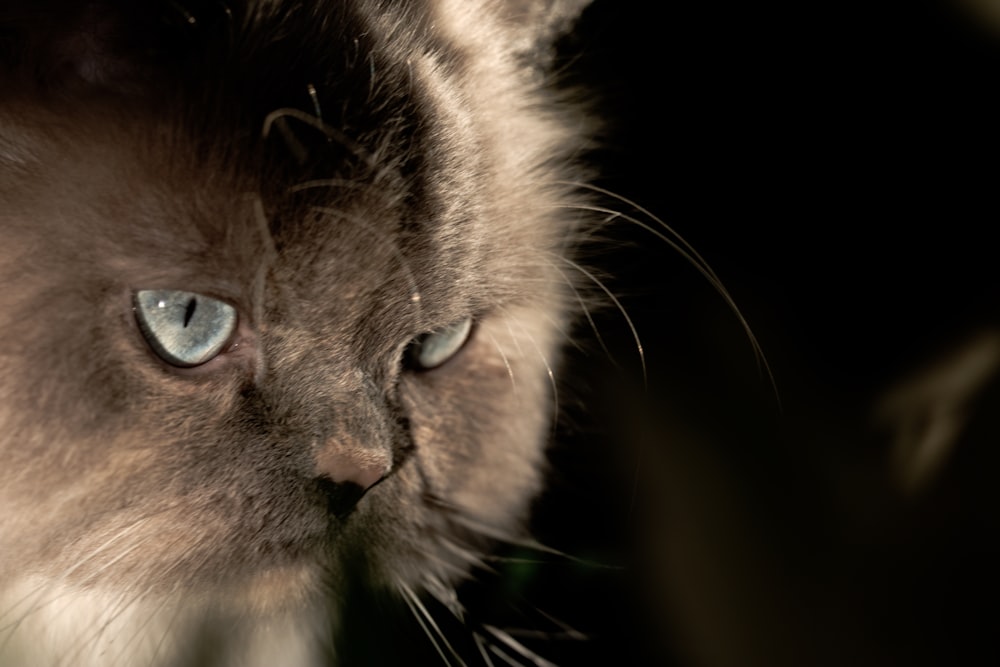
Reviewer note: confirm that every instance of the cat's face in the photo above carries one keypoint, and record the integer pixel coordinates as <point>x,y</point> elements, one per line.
<point>259,272</point>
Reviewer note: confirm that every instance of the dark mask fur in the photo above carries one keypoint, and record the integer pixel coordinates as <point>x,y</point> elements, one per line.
<point>348,176</point>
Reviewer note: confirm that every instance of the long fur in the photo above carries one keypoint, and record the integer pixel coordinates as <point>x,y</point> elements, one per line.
<point>349,176</point>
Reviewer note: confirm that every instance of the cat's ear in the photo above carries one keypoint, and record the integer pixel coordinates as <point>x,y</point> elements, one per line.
<point>539,23</point>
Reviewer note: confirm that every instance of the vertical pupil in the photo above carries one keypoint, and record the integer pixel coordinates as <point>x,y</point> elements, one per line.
<point>189,311</point>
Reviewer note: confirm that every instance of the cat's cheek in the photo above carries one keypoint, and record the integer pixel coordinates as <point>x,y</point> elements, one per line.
<point>480,422</point>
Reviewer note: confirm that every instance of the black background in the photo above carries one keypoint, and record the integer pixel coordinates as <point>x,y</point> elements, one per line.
<point>835,163</point>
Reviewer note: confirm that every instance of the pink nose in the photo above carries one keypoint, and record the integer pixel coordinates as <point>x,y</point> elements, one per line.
<point>362,469</point>
<point>345,472</point>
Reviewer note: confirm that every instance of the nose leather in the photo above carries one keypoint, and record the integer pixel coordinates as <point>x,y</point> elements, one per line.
<point>343,466</point>
<point>345,472</point>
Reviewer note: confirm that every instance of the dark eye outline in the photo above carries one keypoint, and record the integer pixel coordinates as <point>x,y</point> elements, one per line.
<point>452,339</point>
<point>214,343</point>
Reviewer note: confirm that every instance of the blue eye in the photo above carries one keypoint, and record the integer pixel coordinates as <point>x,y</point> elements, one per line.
<point>432,349</point>
<point>184,328</point>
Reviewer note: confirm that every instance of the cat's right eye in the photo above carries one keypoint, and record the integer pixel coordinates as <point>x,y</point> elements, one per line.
<point>431,350</point>
<point>185,329</point>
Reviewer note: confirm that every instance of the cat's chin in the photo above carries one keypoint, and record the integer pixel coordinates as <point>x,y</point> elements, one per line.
<point>273,618</point>
<point>276,590</point>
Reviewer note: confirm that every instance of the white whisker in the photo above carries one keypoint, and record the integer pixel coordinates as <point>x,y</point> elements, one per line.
<point>545,362</point>
<point>568,631</point>
<point>503,656</point>
<point>470,557</point>
<point>518,647</point>
<point>527,543</point>
<point>444,594</point>
<point>687,251</point>
<point>482,649</point>
<point>506,362</point>
<point>584,309</point>
<point>621,309</point>
<point>456,569</point>
<point>419,610</point>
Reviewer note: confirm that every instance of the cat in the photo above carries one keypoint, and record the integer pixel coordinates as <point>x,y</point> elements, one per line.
<point>286,285</point>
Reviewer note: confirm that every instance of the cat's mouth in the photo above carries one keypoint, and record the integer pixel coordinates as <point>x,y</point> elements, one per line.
<point>347,474</point>
<point>343,497</point>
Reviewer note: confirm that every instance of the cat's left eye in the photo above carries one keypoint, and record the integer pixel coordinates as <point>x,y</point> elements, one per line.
<point>184,328</point>
<point>430,350</point>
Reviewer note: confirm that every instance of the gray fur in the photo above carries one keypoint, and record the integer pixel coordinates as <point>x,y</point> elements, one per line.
<point>399,173</point>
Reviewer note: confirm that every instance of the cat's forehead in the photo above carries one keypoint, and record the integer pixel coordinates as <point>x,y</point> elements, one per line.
<point>138,197</point>
<point>380,149</point>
